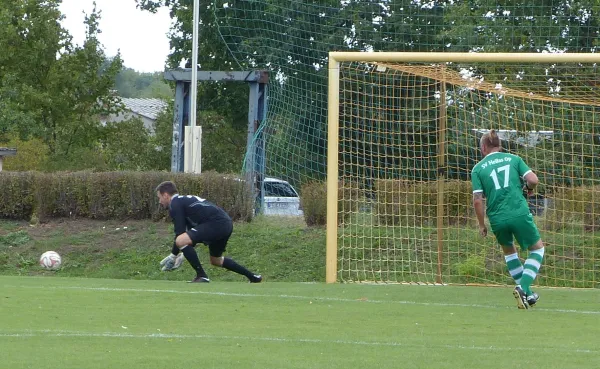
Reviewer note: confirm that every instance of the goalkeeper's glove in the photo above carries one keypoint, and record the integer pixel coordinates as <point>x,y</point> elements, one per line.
<point>178,261</point>
<point>171,262</point>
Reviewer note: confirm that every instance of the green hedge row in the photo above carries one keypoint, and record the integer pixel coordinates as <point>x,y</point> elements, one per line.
<point>314,201</point>
<point>573,207</point>
<point>396,202</point>
<point>409,203</point>
<point>401,202</point>
<point>112,195</point>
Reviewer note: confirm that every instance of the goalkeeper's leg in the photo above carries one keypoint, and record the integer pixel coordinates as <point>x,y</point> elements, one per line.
<point>186,245</point>
<point>216,250</point>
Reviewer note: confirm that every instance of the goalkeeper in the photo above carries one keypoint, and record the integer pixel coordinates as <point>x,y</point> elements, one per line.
<point>497,177</point>
<point>197,220</point>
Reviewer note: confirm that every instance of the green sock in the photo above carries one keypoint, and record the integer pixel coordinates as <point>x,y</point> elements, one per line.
<point>531,269</point>
<point>515,268</point>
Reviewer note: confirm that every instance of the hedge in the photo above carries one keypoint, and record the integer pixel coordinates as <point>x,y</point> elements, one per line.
<point>410,203</point>
<point>112,195</point>
<point>313,200</point>
<point>401,202</point>
<point>573,207</point>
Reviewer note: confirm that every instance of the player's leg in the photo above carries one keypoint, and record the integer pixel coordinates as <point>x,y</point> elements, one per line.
<point>504,236</point>
<point>216,235</point>
<point>216,250</point>
<point>528,236</point>
<point>186,242</point>
<point>511,257</point>
<point>513,263</point>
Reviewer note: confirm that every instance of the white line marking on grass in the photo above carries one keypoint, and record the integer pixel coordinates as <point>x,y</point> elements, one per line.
<point>314,298</point>
<point>61,333</point>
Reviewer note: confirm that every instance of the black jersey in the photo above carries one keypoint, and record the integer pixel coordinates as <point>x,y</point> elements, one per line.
<point>189,211</point>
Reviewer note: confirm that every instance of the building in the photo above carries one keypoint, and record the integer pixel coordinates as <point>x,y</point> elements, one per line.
<point>145,109</point>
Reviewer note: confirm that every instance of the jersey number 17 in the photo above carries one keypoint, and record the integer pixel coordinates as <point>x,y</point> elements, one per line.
<point>494,175</point>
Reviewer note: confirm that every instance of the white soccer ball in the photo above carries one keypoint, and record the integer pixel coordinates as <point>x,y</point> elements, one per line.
<point>50,260</point>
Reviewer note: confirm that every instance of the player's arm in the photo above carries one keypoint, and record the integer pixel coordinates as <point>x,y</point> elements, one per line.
<point>177,213</point>
<point>175,259</point>
<point>529,177</point>
<point>479,208</point>
<point>478,203</point>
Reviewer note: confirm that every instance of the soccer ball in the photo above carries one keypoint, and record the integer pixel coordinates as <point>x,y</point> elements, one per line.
<point>50,260</point>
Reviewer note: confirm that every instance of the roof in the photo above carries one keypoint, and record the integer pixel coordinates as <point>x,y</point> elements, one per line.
<point>149,108</point>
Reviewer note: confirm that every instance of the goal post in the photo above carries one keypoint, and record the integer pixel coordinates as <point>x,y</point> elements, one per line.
<point>402,139</point>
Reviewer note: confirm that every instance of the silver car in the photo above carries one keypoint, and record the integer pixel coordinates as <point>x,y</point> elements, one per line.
<point>280,198</point>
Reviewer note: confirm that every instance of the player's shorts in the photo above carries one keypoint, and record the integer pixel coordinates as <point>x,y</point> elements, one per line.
<point>214,234</point>
<point>523,228</point>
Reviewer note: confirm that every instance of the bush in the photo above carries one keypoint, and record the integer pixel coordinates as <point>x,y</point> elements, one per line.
<point>579,206</point>
<point>314,202</point>
<point>112,195</point>
<point>410,203</point>
<point>31,155</point>
<point>17,190</point>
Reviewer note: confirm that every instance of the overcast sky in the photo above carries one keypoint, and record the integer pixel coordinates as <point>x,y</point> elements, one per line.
<point>140,35</point>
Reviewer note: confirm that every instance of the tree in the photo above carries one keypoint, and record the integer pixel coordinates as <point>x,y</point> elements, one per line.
<point>50,88</point>
<point>132,84</point>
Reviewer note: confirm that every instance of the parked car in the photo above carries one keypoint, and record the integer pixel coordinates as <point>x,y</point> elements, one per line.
<point>280,198</point>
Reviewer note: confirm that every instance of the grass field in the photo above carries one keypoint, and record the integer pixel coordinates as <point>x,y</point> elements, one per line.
<point>50,322</point>
<point>111,307</point>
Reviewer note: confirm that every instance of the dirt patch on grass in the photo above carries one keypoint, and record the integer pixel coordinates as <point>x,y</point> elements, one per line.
<point>92,236</point>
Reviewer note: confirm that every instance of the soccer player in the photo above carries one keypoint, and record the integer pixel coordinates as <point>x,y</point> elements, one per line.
<point>497,177</point>
<point>197,220</point>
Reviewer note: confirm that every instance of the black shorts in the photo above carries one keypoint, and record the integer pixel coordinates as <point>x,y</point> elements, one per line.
<point>214,234</point>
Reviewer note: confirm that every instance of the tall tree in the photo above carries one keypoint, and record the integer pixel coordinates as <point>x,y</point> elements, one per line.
<point>51,88</point>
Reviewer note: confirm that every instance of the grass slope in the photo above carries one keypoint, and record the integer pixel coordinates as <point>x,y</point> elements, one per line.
<point>279,249</point>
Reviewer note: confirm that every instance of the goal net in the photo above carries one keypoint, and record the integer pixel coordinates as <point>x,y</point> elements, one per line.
<point>403,137</point>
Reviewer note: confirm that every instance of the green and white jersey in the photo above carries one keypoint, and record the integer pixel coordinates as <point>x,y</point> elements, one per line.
<point>498,176</point>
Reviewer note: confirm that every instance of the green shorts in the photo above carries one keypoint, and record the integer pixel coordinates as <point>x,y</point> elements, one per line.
<point>523,228</point>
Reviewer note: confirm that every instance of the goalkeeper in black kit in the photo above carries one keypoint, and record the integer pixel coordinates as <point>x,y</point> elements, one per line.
<point>197,220</point>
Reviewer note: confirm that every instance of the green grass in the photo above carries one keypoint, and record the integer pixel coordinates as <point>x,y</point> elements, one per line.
<point>49,322</point>
<point>286,250</point>
<point>280,249</point>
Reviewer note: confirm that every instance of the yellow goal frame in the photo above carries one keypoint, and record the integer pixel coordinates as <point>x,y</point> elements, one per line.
<point>425,57</point>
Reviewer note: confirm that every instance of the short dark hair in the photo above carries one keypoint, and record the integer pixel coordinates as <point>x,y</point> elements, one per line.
<point>167,187</point>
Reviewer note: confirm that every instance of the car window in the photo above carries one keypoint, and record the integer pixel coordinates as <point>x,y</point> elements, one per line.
<point>279,189</point>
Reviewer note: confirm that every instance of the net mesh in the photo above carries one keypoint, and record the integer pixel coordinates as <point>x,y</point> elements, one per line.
<point>408,140</point>
<point>292,39</point>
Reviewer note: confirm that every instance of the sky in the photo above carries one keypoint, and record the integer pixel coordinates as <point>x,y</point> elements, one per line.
<point>140,35</point>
